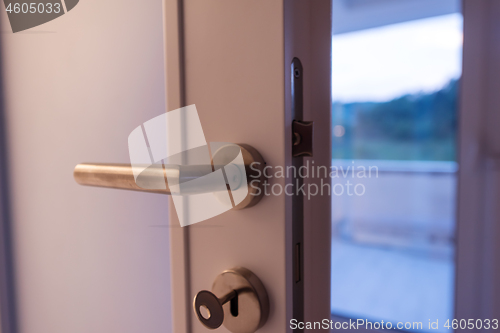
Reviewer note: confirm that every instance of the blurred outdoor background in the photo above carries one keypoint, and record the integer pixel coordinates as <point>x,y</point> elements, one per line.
<point>395,85</point>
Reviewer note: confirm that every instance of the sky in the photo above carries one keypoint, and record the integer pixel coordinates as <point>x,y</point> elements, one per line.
<point>383,63</point>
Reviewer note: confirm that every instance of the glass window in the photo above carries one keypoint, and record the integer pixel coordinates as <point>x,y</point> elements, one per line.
<point>394,124</point>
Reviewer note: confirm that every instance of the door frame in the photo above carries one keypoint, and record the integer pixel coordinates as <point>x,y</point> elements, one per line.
<point>478,250</point>
<point>7,291</point>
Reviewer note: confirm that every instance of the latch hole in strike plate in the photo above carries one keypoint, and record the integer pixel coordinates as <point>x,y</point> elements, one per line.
<point>302,140</point>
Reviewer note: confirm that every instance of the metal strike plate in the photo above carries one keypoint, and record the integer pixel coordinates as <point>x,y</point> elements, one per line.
<point>303,133</point>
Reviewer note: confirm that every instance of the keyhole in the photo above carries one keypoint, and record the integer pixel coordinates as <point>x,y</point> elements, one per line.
<point>233,306</point>
<point>205,312</point>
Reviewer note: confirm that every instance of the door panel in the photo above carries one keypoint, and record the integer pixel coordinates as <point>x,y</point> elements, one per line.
<point>232,59</point>
<point>234,75</point>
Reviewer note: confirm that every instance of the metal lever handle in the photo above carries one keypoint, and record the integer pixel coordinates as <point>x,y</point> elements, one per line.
<point>121,176</point>
<point>212,305</point>
<point>154,178</point>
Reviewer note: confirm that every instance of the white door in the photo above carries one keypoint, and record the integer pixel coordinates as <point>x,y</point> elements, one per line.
<point>253,73</point>
<point>233,59</point>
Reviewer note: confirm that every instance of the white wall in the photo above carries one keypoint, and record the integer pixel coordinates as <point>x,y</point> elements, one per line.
<point>87,259</point>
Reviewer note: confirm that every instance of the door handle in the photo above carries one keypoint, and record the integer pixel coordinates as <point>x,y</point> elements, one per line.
<point>121,176</point>
<point>175,179</point>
